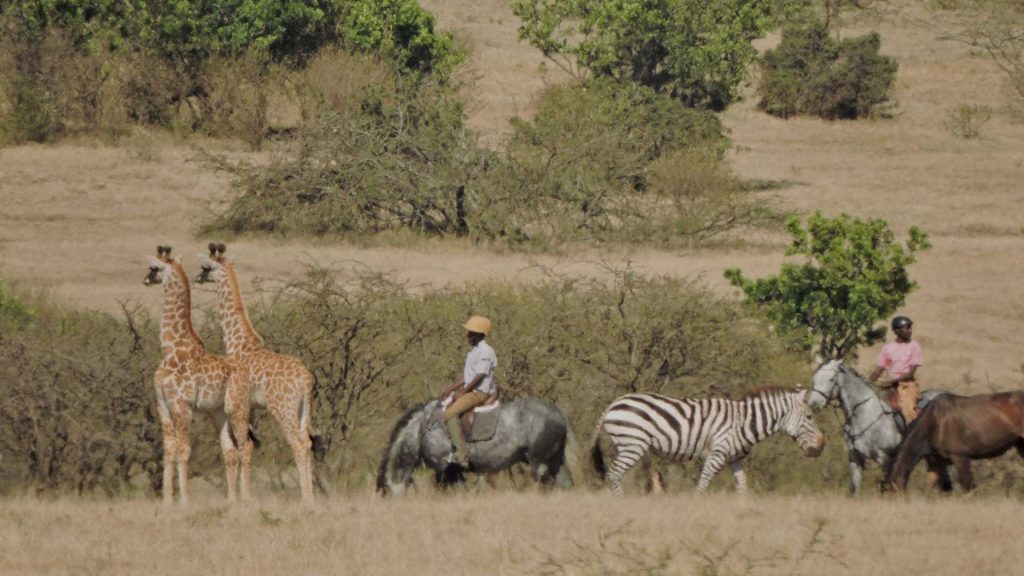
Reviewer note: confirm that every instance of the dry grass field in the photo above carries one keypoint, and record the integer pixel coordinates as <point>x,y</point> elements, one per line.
<point>78,218</point>
<point>516,534</point>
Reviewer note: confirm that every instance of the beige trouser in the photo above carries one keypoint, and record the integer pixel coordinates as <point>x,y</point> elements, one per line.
<point>465,403</point>
<point>904,397</point>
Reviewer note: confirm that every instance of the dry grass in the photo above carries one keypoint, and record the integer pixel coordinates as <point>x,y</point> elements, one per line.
<point>514,534</point>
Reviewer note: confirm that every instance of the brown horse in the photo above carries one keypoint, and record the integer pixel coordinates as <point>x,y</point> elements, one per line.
<point>958,429</point>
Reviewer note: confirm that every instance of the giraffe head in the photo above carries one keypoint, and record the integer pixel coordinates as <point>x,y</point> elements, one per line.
<point>212,266</point>
<point>159,266</point>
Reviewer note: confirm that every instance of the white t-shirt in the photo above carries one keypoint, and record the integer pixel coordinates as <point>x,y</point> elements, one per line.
<point>481,360</point>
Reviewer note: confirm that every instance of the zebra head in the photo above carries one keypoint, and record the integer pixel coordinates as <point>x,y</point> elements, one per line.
<point>824,384</point>
<point>799,424</point>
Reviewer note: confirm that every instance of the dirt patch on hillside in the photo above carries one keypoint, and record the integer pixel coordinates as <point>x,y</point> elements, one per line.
<point>78,219</point>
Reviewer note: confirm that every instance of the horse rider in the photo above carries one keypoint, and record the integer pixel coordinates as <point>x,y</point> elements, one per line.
<point>899,360</point>
<point>476,385</point>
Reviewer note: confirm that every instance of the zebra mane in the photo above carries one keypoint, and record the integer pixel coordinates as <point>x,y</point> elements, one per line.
<point>768,390</point>
<point>382,468</point>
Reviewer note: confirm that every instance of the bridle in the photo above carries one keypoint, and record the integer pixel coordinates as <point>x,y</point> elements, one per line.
<point>852,413</point>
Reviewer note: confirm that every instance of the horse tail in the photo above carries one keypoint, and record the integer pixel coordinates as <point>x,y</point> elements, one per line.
<point>385,458</point>
<point>570,459</point>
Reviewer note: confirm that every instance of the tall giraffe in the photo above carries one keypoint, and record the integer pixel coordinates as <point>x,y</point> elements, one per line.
<point>190,379</point>
<point>280,383</point>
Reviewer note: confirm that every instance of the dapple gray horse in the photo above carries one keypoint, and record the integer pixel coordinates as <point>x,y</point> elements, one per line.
<point>872,430</point>
<point>529,430</point>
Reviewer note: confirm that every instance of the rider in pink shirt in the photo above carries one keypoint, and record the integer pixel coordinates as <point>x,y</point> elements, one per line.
<point>899,360</point>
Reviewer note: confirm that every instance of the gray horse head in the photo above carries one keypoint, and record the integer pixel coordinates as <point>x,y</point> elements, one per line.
<point>825,384</point>
<point>529,430</point>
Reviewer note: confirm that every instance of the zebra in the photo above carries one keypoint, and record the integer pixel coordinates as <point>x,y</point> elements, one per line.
<point>720,430</point>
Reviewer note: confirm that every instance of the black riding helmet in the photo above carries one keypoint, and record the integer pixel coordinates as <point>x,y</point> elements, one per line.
<point>901,321</point>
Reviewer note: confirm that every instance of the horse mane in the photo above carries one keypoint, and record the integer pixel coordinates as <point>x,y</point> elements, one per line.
<point>382,468</point>
<point>766,390</point>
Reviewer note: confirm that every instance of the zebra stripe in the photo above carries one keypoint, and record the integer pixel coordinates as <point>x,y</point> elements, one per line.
<point>720,430</point>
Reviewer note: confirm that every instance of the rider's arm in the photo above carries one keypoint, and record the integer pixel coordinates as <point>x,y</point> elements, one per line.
<point>874,375</point>
<point>475,382</point>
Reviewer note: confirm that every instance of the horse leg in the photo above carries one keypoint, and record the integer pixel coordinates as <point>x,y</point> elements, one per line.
<point>938,473</point>
<point>739,475</point>
<point>964,473</point>
<point>857,469</point>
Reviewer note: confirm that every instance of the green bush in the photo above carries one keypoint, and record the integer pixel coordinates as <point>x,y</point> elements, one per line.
<point>693,50</point>
<point>404,32</point>
<point>853,275</point>
<point>396,162</point>
<point>810,73</point>
<point>598,162</point>
<point>398,157</point>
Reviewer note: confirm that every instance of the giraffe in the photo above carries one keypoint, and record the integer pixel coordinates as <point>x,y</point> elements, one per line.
<point>190,379</point>
<point>281,384</point>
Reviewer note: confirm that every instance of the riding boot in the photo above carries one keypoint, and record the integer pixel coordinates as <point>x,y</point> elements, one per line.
<point>455,433</point>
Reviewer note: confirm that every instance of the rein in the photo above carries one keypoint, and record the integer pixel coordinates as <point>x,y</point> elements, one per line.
<point>852,414</point>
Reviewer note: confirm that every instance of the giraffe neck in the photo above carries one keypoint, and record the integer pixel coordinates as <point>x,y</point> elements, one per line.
<point>176,331</point>
<point>239,335</point>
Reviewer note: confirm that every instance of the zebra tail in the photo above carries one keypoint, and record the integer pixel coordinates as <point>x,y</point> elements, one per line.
<point>596,455</point>
<point>597,458</point>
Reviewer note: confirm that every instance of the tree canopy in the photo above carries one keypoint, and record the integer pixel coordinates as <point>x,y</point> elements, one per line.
<point>854,274</point>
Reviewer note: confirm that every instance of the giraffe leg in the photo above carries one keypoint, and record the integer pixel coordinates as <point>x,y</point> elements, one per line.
<point>170,439</point>
<point>230,453</point>
<point>163,409</point>
<point>300,444</point>
<point>183,450</point>
<point>237,406</point>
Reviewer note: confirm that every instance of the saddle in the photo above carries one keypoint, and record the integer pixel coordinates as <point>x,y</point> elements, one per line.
<point>478,424</point>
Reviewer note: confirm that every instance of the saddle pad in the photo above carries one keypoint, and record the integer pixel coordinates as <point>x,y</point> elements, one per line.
<point>485,422</point>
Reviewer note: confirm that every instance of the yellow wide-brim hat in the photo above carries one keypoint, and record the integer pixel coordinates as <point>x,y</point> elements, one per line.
<point>478,324</point>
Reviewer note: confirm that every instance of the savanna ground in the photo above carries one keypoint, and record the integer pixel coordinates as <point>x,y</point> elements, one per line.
<point>78,218</point>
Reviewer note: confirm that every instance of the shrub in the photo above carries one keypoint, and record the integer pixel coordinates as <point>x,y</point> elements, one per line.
<point>76,397</point>
<point>395,164</point>
<point>403,32</point>
<point>600,158</point>
<point>692,50</point>
<point>810,73</point>
<point>377,349</point>
<point>853,275</point>
<point>76,401</point>
<point>966,120</point>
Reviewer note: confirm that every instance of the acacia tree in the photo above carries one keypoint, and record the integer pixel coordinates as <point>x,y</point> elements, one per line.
<point>694,50</point>
<point>854,273</point>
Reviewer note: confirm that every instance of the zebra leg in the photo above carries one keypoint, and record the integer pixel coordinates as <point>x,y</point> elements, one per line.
<point>739,475</point>
<point>712,465</point>
<point>626,456</point>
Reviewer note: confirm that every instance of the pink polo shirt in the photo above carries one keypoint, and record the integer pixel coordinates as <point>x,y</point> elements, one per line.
<point>898,357</point>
